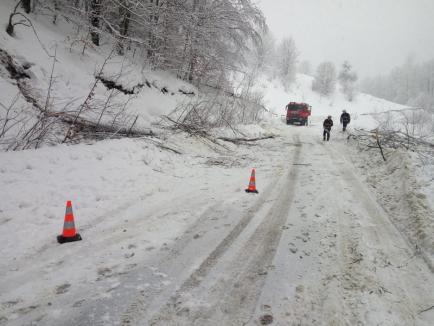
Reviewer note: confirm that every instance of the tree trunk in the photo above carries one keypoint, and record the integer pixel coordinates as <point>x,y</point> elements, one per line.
<point>191,68</point>
<point>192,59</point>
<point>95,13</point>
<point>27,5</point>
<point>56,9</point>
<point>125,15</point>
<point>154,18</point>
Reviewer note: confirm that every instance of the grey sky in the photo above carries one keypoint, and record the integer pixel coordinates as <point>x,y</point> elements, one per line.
<point>374,35</point>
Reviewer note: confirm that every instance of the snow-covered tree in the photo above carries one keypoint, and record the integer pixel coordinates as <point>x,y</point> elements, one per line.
<point>325,79</point>
<point>305,67</point>
<point>347,78</point>
<point>410,84</point>
<point>262,56</point>
<point>286,61</point>
<point>259,61</point>
<point>200,41</point>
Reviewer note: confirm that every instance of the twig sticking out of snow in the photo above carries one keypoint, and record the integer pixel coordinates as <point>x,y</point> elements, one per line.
<point>389,140</point>
<point>427,309</point>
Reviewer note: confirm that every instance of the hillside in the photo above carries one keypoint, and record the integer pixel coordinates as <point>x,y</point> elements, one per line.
<point>54,69</point>
<point>335,235</point>
<point>276,97</point>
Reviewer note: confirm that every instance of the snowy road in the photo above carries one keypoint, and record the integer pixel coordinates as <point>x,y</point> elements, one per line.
<point>313,248</point>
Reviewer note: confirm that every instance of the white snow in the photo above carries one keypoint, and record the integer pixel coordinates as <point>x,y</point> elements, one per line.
<point>276,98</point>
<point>149,217</point>
<point>74,73</point>
<point>171,238</point>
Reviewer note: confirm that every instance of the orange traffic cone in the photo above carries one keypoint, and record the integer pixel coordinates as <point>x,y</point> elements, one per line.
<point>252,183</point>
<point>69,234</point>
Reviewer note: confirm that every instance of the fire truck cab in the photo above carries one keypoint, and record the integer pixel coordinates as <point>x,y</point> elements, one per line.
<point>298,113</point>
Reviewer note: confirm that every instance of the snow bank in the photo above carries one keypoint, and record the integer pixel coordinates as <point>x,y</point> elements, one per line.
<point>403,185</point>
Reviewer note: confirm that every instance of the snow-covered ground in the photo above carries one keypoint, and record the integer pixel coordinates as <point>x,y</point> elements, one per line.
<point>73,75</point>
<point>130,199</point>
<point>334,237</point>
<point>276,98</point>
<point>403,185</point>
<point>173,239</point>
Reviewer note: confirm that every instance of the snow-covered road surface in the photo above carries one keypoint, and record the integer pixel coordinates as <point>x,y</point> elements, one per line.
<point>312,248</point>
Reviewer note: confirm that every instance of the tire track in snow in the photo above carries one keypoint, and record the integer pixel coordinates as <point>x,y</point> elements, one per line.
<point>369,244</point>
<point>132,299</point>
<point>310,291</point>
<point>377,207</point>
<point>356,276</point>
<point>232,298</point>
<point>143,306</point>
<point>359,218</point>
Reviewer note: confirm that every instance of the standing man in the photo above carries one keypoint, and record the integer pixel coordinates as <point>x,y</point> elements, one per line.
<point>327,124</point>
<point>345,119</point>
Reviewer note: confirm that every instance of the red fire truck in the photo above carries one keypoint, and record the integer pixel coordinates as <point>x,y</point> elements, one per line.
<point>298,113</point>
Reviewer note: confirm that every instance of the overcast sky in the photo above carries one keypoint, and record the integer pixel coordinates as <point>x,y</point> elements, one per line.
<point>374,35</point>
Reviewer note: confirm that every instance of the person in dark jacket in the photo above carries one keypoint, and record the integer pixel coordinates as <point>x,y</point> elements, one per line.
<point>327,124</point>
<point>345,119</point>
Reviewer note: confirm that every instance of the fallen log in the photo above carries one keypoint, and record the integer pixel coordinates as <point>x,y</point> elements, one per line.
<point>99,130</point>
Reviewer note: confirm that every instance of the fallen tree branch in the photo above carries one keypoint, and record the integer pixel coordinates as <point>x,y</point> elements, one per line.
<point>377,138</point>
<point>189,128</point>
<point>169,149</point>
<point>25,21</point>
<point>390,140</point>
<point>241,140</point>
<point>85,105</point>
<point>100,130</point>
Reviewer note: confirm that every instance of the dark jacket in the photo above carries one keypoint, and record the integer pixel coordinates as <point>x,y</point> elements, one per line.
<point>345,117</point>
<point>327,124</point>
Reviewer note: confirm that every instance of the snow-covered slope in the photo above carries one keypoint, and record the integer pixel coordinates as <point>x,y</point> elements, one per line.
<point>276,97</point>
<point>75,67</point>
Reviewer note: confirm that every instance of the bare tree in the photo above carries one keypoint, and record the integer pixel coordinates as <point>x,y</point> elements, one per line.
<point>10,117</point>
